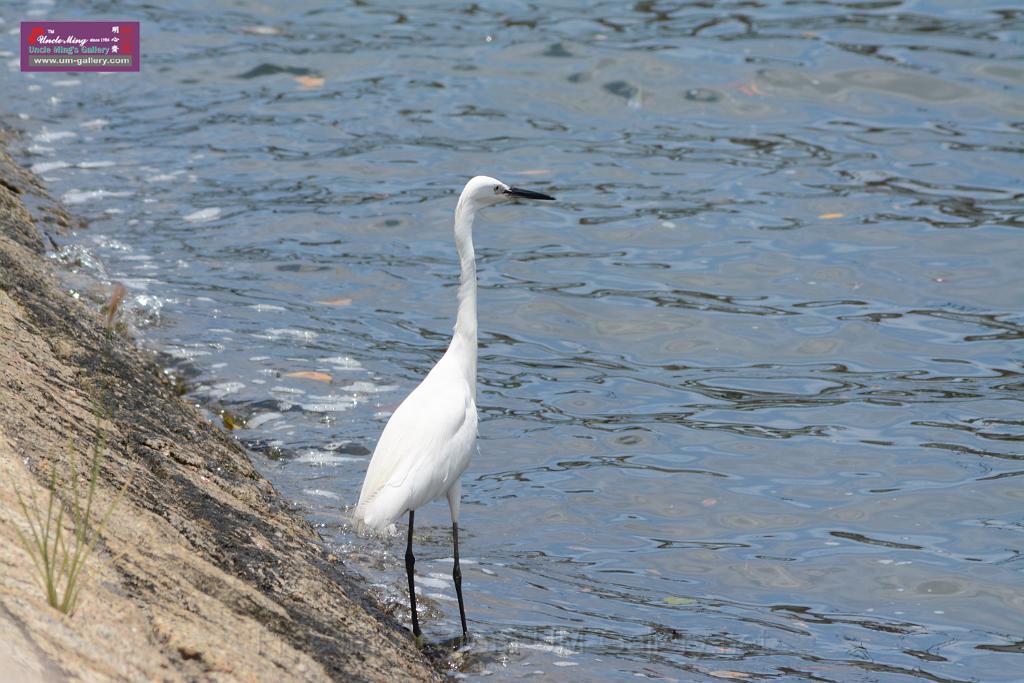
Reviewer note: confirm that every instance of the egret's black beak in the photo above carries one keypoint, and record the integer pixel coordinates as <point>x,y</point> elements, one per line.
<point>527,194</point>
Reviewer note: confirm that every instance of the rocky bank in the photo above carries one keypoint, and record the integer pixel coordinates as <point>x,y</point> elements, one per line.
<point>202,572</point>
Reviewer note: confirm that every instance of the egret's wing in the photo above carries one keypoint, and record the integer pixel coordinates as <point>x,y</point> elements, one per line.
<point>425,445</point>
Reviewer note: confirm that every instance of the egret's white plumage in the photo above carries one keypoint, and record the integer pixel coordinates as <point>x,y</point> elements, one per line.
<point>425,446</point>
<point>427,443</point>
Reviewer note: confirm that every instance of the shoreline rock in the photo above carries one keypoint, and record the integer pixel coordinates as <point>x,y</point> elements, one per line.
<point>203,571</point>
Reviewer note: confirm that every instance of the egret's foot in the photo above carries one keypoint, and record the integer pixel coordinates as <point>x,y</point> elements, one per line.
<point>419,641</point>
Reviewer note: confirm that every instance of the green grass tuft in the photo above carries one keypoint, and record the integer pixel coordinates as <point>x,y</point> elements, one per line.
<point>59,556</point>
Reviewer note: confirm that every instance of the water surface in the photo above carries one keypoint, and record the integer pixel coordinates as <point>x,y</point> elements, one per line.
<point>750,391</point>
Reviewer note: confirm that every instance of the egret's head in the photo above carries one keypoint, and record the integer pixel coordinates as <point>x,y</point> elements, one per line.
<point>483,191</point>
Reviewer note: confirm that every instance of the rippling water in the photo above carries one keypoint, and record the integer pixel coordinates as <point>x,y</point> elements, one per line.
<point>751,391</point>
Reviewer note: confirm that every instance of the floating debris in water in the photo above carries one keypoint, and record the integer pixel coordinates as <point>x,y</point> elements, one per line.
<point>310,82</point>
<point>311,374</point>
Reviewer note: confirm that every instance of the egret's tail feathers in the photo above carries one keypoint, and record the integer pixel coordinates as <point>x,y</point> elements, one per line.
<point>380,509</point>
<point>365,530</point>
<point>367,524</point>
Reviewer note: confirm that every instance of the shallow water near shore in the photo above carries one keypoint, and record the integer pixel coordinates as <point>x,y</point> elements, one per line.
<point>750,391</point>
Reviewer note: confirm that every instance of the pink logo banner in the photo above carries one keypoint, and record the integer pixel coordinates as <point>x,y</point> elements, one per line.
<point>80,46</point>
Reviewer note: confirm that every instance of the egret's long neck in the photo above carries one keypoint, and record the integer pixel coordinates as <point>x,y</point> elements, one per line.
<point>465,324</point>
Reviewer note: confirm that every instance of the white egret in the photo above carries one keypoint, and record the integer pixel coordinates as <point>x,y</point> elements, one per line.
<point>427,443</point>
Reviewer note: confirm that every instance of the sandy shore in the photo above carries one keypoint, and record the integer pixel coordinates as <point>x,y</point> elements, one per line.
<point>203,572</point>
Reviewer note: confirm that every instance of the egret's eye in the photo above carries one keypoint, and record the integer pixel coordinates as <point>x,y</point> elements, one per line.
<point>497,189</point>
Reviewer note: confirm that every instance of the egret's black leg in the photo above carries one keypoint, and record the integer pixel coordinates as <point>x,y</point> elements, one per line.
<point>457,576</point>
<point>410,563</point>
